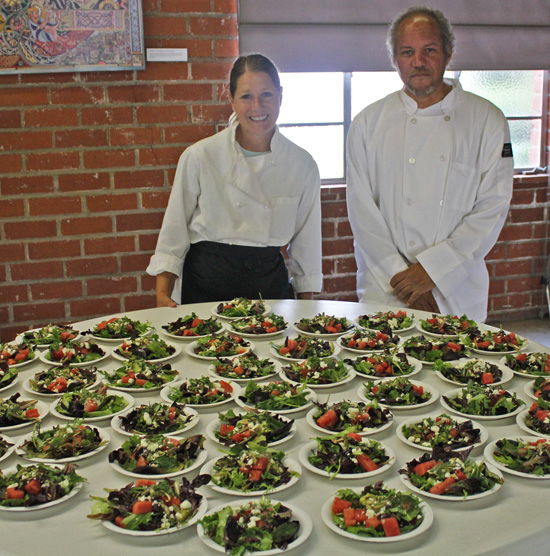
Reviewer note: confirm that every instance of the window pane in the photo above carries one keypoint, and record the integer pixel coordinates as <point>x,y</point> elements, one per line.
<point>525,142</point>
<point>516,93</point>
<point>312,97</point>
<point>325,144</point>
<point>368,87</point>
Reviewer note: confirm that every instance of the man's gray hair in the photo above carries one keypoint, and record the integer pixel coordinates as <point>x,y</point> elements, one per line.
<point>442,22</point>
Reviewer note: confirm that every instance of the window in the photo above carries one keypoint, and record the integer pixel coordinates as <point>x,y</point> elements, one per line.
<point>318,108</point>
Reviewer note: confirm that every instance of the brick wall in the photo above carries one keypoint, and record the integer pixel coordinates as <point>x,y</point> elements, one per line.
<point>86,163</point>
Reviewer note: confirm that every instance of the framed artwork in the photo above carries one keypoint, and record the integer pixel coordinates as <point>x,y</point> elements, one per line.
<point>38,36</point>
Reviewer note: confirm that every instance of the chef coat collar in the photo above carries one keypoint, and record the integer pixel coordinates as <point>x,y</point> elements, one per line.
<point>275,142</point>
<point>443,107</point>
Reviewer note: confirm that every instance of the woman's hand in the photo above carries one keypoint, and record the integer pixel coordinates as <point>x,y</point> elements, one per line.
<point>164,286</point>
<point>164,300</point>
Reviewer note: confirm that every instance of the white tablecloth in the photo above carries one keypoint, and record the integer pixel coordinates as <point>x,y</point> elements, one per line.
<point>513,521</point>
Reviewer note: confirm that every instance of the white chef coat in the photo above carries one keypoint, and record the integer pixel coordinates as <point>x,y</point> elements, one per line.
<point>430,186</point>
<point>221,195</point>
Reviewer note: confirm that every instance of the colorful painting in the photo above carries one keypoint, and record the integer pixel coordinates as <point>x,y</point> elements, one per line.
<point>70,35</point>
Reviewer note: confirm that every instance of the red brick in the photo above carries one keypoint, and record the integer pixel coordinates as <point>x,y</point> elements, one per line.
<point>526,215</point>
<point>106,203</point>
<point>91,266</point>
<point>86,225</point>
<point>12,252</point>
<point>47,312</point>
<point>13,293</point>
<point>526,249</point>
<point>96,77</point>
<point>78,95</point>
<point>343,229</point>
<point>523,284</point>
<point>188,92</point>
<point>11,162</point>
<point>328,266</point>
<point>509,302</point>
<point>189,6</point>
<point>28,229</point>
<point>187,133</point>
<point>511,268</point>
<point>328,229</point>
<point>107,116</point>
<point>53,161</point>
<point>211,70</point>
<point>346,265</point>
<point>82,182</point>
<point>513,233</point>
<point>47,78</point>
<point>147,242</point>
<point>136,136</point>
<point>139,179</point>
<point>497,287</point>
<point>156,114</point>
<point>111,285</point>
<point>522,197</point>
<point>37,271</point>
<point>110,158</point>
<point>57,290</point>
<point>91,308</point>
<point>10,208</point>
<point>225,6</point>
<point>337,247</point>
<point>9,333</point>
<point>134,263</point>
<point>498,252</point>
<point>165,26</point>
<point>137,303</point>
<point>72,138</point>
<point>155,200</point>
<point>203,113</point>
<point>158,156</point>
<point>149,5</point>
<point>134,93</point>
<point>226,48</point>
<point>10,119</point>
<point>220,26</point>
<point>51,117</point>
<point>108,245</point>
<point>56,205</point>
<point>141,221</point>
<point>25,96</point>
<point>339,284</point>
<point>165,71</point>
<point>336,209</point>
<point>25,140</point>
<point>54,249</point>
<point>148,284</point>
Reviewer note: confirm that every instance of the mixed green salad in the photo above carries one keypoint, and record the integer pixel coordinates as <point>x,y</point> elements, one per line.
<point>14,412</point>
<point>15,354</point>
<point>369,340</point>
<point>538,416</point>
<point>73,352</point>
<point>448,473</point>
<point>84,404</point>
<point>247,366</point>
<point>63,441</point>
<point>223,345</point>
<point>37,484</point>
<point>532,363</point>
<point>7,374</point>
<point>317,371</point>
<point>259,325</point>
<point>396,392</point>
<point>442,430</point>
<point>259,427</point>
<point>50,334</point>
<point>149,348</point>
<point>148,505</point>
<point>201,391</point>
<point>303,347</point>
<point>347,454</point>
<point>475,370</point>
<point>324,324</point>
<point>529,457</point>
<point>485,401</point>
<point>241,307</point>
<point>139,374</point>
<point>447,325</point>
<point>541,388</point>
<point>156,454</point>
<point>119,328</point>
<point>386,321</point>
<point>275,396</point>
<point>340,416</point>
<point>382,365</point>
<point>192,325</point>
<point>57,380</point>
<point>156,418</point>
<point>251,467</point>
<point>254,526</point>
<point>376,511</point>
<point>493,342</point>
<point>429,351</point>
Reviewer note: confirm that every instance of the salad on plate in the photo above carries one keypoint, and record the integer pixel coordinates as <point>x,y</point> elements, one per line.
<point>259,325</point>
<point>447,325</point>
<point>387,364</point>
<point>303,347</point>
<point>429,351</point>
<point>276,396</point>
<point>15,354</point>
<point>139,374</point>
<point>369,340</point>
<point>398,392</point>
<point>7,445</point>
<point>491,342</point>
<point>241,307</point>
<point>475,370</point>
<point>540,388</point>
<point>244,367</point>
<point>14,412</point>
<point>191,326</point>
<point>90,404</point>
<point>119,328</point>
<point>316,371</point>
<point>533,364</point>
<point>200,391</point>
<point>222,345</point>
<point>49,334</point>
<point>524,457</point>
<point>157,418</point>
<point>8,375</point>
<point>58,380</point>
<point>73,352</point>
<point>322,324</point>
<point>335,417</point>
<point>152,507</point>
<point>393,321</point>
<point>536,419</point>
<point>149,348</point>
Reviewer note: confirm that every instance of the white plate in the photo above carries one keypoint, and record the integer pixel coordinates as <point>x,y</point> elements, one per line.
<point>299,515</point>
<point>267,310</point>
<point>12,383</point>
<point>68,496</point>
<point>312,397</point>
<point>201,510</point>
<point>140,390</point>
<point>507,374</point>
<point>454,393</point>
<point>213,372</point>
<point>191,338</point>
<point>435,334</point>
<point>19,339</point>
<point>88,420</point>
<point>265,336</point>
<point>102,432</point>
<point>215,424</point>
<point>349,378</point>
<point>416,364</point>
<point>394,330</point>
<point>427,388</point>
<point>161,360</point>
<point>292,465</point>
<point>520,420</point>
<point>168,389</point>
<point>52,395</point>
<point>326,516</point>
<point>370,350</point>
<point>199,460</point>
<point>313,424</point>
<point>327,336</point>
<point>501,353</point>
<point>27,362</point>
<point>275,353</point>
<point>459,498</point>
<point>43,409</point>
<point>115,424</point>
<point>43,358</point>
<point>10,450</point>
<point>190,347</point>
<point>528,375</point>
<point>529,389</point>
<point>491,448</point>
<point>483,433</point>
<point>309,448</point>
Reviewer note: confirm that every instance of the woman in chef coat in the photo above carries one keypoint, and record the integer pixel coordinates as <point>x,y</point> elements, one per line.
<point>237,198</point>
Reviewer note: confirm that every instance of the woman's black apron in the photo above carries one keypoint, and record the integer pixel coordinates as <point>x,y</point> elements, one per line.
<point>220,272</point>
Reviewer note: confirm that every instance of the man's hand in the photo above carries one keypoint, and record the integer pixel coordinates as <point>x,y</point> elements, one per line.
<point>164,285</point>
<point>413,283</point>
<point>426,302</point>
<point>164,300</point>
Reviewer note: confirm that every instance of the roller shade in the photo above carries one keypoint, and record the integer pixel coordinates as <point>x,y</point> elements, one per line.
<point>350,35</point>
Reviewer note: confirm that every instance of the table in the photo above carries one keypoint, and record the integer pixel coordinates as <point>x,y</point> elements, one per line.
<point>510,522</point>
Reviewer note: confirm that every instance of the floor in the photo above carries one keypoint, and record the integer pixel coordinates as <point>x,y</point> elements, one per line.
<point>534,329</point>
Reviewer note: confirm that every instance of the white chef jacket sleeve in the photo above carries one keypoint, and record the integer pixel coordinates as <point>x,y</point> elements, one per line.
<point>448,261</point>
<point>374,246</point>
<point>304,249</point>
<point>173,240</point>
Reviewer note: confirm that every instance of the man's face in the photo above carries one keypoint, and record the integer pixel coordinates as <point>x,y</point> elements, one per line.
<point>420,59</point>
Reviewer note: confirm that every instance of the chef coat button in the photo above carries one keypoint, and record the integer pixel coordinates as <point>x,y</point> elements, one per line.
<point>440,203</point>
<point>413,120</point>
<point>412,243</point>
<point>447,118</point>
<point>412,160</point>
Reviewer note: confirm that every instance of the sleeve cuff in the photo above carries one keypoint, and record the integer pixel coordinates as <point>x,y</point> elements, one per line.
<point>444,268</point>
<point>310,283</point>
<point>165,263</point>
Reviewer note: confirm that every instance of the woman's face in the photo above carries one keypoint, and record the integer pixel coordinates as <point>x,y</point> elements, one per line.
<point>256,103</point>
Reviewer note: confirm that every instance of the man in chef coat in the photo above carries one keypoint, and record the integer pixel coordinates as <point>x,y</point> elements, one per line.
<point>430,173</point>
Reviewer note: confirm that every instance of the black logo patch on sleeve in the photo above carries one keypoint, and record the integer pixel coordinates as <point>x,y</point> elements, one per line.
<point>507,150</point>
